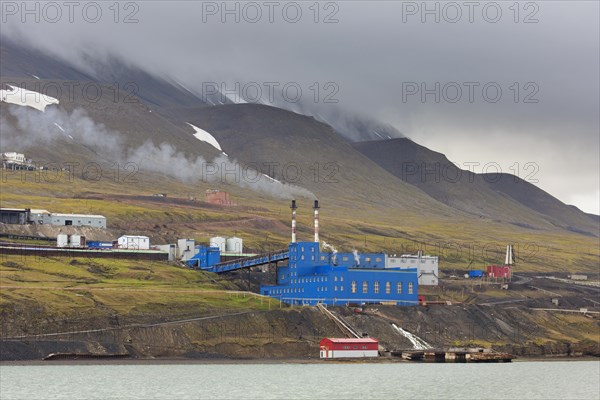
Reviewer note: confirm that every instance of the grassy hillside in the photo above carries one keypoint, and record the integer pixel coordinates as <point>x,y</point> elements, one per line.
<point>67,291</point>
<point>263,223</point>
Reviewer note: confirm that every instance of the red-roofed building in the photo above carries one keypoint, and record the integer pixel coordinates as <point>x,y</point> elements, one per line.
<point>499,271</point>
<point>343,348</point>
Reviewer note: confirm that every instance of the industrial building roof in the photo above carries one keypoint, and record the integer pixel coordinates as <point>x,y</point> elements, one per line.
<point>353,340</point>
<point>77,215</point>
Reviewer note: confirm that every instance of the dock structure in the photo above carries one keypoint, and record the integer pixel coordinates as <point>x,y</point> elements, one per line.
<point>452,355</point>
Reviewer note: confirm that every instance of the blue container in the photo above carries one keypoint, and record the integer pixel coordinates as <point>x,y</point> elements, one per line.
<point>476,273</point>
<point>99,245</point>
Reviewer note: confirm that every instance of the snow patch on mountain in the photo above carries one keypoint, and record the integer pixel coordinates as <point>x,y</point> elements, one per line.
<point>26,98</point>
<point>206,137</point>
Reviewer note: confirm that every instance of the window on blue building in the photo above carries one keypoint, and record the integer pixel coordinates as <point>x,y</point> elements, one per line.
<point>388,288</point>
<point>399,288</point>
<point>335,288</point>
<point>341,279</point>
<point>341,288</point>
<point>353,287</point>
<point>365,287</point>
<point>335,278</point>
<point>410,288</point>
<point>376,287</point>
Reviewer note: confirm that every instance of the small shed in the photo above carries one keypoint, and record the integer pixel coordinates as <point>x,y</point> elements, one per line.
<point>349,348</point>
<point>499,271</point>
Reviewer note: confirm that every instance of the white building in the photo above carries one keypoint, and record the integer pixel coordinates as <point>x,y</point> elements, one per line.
<point>186,249</point>
<point>94,221</point>
<point>134,242</point>
<point>15,158</point>
<point>40,217</point>
<point>171,249</point>
<point>427,266</point>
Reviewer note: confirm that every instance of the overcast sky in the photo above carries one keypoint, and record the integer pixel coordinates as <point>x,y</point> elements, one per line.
<point>543,56</point>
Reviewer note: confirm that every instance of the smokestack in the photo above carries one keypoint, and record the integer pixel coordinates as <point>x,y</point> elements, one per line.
<point>508,260</point>
<point>316,207</point>
<point>293,207</point>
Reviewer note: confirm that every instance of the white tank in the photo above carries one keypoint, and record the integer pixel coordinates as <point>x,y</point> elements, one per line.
<point>62,240</point>
<point>220,242</point>
<point>234,245</point>
<point>77,241</point>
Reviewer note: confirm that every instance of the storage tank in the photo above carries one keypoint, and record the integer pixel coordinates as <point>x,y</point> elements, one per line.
<point>220,242</point>
<point>77,241</point>
<point>62,240</point>
<point>234,245</point>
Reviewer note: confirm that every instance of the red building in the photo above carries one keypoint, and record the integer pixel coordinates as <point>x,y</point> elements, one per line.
<point>342,347</point>
<point>499,271</point>
<point>218,197</point>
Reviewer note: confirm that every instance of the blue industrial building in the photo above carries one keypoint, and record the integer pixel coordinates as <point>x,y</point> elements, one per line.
<point>205,257</point>
<point>313,277</point>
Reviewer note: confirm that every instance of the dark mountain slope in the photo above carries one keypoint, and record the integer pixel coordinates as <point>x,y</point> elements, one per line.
<point>21,61</point>
<point>307,153</point>
<point>536,199</point>
<point>122,116</point>
<point>502,197</point>
<point>18,61</point>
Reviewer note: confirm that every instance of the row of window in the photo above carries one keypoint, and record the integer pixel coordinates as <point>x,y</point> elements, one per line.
<point>376,287</point>
<point>345,258</point>
<point>295,258</point>
<point>412,261</point>
<point>308,280</point>
<point>312,249</point>
<point>287,291</point>
<point>353,287</point>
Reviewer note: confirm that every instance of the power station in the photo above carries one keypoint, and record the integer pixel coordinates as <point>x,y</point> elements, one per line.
<point>312,276</point>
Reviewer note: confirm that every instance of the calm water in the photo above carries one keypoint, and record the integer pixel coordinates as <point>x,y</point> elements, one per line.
<point>522,380</point>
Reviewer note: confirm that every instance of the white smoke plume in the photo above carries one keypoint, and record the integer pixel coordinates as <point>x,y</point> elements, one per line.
<point>356,257</point>
<point>333,251</point>
<point>54,124</point>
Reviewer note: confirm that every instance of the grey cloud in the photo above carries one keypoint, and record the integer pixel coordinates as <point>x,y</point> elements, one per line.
<point>370,53</point>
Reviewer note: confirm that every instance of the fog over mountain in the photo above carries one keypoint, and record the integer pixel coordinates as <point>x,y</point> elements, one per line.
<point>436,82</point>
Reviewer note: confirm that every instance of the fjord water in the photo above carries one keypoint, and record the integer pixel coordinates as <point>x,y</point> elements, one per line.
<point>520,380</point>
